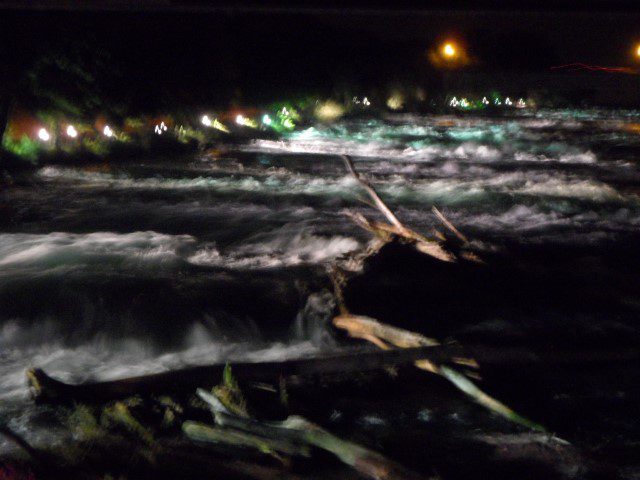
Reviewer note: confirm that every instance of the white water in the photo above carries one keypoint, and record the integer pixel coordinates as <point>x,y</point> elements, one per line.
<point>25,254</point>
<point>452,184</point>
<point>79,235</point>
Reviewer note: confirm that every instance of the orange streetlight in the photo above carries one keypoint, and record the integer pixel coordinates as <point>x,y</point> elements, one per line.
<point>449,55</point>
<point>449,50</point>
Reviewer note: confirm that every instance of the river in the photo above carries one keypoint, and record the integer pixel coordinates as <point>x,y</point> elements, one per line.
<point>114,270</point>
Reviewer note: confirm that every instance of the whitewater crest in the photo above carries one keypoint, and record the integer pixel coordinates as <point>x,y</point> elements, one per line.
<point>144,250</point>
<point>278,251</point>
<point>447,181</point>
<point>99,248</point>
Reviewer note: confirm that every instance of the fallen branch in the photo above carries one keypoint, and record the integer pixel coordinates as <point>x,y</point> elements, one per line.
<point>46,389</point>
<point>445,221</point>
<point>302,432</point>
<point>222,436</point>
<point>49,390</point>
<point>382,335</point>
<point>380,205</point>
<point>425,245</point>
<point>471,389</point>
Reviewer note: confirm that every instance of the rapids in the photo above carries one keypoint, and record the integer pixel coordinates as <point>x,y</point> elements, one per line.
<point>115,270</point>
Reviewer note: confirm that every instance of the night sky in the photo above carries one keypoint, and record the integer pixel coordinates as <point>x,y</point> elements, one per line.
<point>204,52</point>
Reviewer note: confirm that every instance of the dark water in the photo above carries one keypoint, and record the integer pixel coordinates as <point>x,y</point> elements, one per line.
<point>110,271</point>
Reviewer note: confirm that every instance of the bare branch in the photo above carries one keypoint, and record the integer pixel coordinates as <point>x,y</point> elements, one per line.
<point>386,211</point>
<point>449,225</point>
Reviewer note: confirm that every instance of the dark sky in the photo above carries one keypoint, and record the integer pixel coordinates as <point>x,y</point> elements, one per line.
<point>325,5</point>
<point>199,49</point>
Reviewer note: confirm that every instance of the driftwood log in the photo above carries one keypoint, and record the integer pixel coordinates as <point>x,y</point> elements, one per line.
<point>434,247</point>
<point>50,390</point>
<point>298,432</point>
<point>384,336</point>
<point>387,336</point>
<point>431,247</point>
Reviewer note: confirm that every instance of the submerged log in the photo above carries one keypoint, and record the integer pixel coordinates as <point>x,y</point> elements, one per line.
<point>46,389</point>
<point>49,390</point>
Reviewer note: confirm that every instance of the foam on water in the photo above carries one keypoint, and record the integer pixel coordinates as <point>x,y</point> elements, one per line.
<point>460,183</point>
<point>278,250</point>
<point>536,177</point>
<point>24,254</point>
<point>428,140</point>
<point>101,360</point>
<point>138,249</point>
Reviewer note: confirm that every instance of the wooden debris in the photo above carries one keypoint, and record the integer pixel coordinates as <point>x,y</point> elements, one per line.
<point>471,389</point>
<point>445,221</point>
<point>359,325</point>
<point>205,433</point>
<point>383,336</point>
<point>46,389</point>
<point>299,431</point>
<point>425,245</point>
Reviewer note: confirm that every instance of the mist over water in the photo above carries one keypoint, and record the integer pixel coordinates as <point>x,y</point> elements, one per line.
<point>119,270</point>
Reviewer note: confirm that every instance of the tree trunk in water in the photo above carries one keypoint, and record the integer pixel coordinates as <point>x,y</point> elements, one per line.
<point>49,390</point>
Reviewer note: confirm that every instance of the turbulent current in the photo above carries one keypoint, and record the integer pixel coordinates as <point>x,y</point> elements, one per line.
<point>113,270</point>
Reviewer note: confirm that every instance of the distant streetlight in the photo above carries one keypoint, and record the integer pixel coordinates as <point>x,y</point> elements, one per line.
<point>449,50</point>
<point>638,51</point>
<point>43,135</point>
<point>71,131</point>
<point>449,55</point>
<point>246,122</point>
<point>206,121</point>
<point>108,132</point>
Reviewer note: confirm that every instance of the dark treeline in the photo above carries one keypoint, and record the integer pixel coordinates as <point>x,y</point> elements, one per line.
<point>153,62</point>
